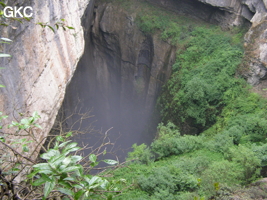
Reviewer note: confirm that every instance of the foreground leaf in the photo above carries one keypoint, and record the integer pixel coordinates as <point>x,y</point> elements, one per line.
<point>49,186</point>
<point>6,39</point>
<point>93,158</point>
<point>110,162</point>
<point>4,55</point>
<point>78,194</point>
<point>66,191</point>
<point>50,154</point>
<point>39,182</point>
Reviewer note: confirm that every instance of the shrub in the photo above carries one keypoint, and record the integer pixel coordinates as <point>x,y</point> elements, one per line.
<point>220,173</point>
<point>166,145</point>
<point>141,153</point>
<point>220,143</point>
<point>203,74</point>
<point>261,152</point>
<point>194,164</point>
<point>249,162</point>
<point>170,180</point>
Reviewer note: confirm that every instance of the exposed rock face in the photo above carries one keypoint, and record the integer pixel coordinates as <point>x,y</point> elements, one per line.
<point>42,62</point>
<point>123,70</point>
<point>256,54</point>
<point>226,13</point>
<point>252,10</point>
<point>259,8</point>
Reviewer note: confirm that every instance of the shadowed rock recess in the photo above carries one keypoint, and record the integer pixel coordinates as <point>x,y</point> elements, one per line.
<point>120,75</point>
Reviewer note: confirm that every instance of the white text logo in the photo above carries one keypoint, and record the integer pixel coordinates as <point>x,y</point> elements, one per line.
<point>18,12</point>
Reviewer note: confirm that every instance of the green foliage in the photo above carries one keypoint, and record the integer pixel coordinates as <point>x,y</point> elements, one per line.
<point>22,143</point>
<point>167,181</point>
<point>57,25</point>
<point>164,147</point>
<point>141,153</point>
<point>192,167</point>
<point>5,41</point>
<point>238,34</point>
<point>27,123</point>
<point>247,159</point>
<point>261,152</point>
<point>62,172</point>
<point>153,21</point>
<point>220,143</point>
<point>1,118</point>
<point>204,92</point>
<point>169,130</point>
<point>221,173</point>
<point>16,151</point>
<point>197,162</point>
<point>170,142</point>
<point>203,79</point>
<point>244,118</point>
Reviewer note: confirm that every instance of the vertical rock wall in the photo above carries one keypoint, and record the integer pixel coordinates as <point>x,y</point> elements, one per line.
<point>120,74</point>
<point>42,62</point>
<point>255,62</point>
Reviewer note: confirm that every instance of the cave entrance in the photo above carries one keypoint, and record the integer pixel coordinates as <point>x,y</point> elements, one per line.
<point>117,80</point>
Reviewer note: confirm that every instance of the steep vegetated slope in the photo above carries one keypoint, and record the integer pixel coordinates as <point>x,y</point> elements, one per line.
<point>211,142</point>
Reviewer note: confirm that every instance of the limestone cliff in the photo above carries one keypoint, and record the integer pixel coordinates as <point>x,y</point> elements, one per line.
<point>42,62</point>
<point>256,54</point>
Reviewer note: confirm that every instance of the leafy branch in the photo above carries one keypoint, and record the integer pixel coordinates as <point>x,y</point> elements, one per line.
<point>58,24</point>
<point>61,172</point>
